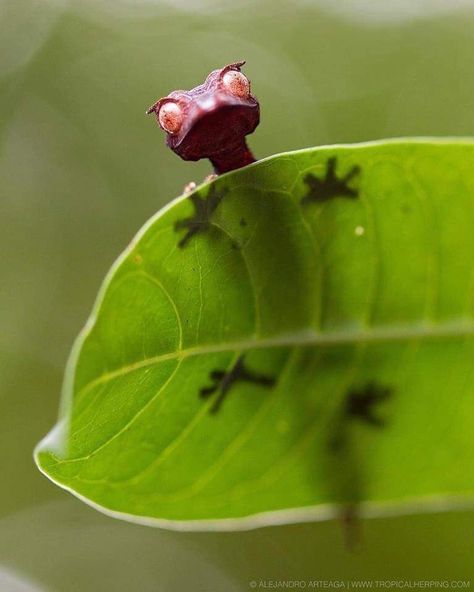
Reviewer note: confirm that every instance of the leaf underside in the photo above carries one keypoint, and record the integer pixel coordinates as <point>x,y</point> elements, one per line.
<point>296,336</point>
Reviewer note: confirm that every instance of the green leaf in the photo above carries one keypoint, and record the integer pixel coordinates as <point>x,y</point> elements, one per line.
<point>332,291</point>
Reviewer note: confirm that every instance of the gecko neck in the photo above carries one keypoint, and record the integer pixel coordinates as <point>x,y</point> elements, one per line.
<point>235,157</point>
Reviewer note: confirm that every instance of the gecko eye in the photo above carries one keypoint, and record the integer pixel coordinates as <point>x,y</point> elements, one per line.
<point>170,117</point>
<point>236,83</point>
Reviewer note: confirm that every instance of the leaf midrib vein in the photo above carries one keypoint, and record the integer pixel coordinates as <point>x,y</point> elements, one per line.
<point>304,338</point>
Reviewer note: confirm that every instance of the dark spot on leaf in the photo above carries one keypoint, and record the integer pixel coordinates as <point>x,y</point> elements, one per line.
<point>320,190</point>
<point>243,222</point>
<point>223,382</point>
<point>203,210</point>
<point>138,259</point>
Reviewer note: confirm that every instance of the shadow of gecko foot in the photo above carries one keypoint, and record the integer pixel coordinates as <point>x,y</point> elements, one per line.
<point>320,190</point>
<point>223,382</point>
<point>203,210</point>
<point>359,405</point>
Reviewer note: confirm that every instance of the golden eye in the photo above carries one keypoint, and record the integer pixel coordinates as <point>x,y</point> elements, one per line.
<point>170,117</point>
<point>236,83</point>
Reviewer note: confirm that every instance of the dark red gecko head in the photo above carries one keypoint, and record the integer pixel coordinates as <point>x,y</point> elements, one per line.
<point>211,120</point>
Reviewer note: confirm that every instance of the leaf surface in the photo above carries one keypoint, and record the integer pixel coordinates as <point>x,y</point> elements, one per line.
<point>295,337</point>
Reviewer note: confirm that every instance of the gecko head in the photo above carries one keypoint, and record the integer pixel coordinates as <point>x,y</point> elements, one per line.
<point>210,118</point>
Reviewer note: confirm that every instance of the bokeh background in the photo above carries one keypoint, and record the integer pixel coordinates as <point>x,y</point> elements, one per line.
<point>82,168</point>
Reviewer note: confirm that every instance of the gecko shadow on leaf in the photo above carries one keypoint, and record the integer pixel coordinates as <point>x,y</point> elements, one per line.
<point>223,382</point>
<point>320,190</point>
<point>203,209</point>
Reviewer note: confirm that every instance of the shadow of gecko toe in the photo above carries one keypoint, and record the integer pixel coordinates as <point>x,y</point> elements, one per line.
<point>203,210</point>
<point>223,382</point>
<point>330,186</point>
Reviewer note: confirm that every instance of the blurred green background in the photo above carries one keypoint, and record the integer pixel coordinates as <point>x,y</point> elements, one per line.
<point>82,168</point>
